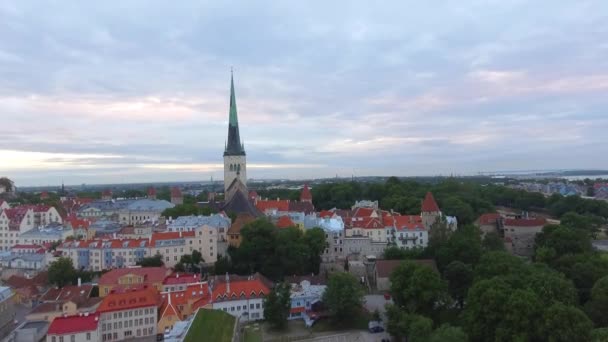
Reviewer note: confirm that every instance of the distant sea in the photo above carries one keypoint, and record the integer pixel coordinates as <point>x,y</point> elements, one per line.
<point>573,178</point>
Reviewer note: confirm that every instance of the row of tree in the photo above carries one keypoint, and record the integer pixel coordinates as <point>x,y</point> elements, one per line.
<point>274,252</point>
<point>461,198</point>
<point>482,293</point>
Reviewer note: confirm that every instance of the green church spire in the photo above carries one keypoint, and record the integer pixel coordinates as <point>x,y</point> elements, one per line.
<point>234,147</point>
<point>234,120</point>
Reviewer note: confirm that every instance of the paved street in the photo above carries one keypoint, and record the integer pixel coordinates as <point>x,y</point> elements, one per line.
<point>355,336</point>
<point>373,302</point>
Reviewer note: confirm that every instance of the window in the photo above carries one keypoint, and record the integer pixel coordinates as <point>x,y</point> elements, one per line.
<point>73,338</point>
<point>53,339</point>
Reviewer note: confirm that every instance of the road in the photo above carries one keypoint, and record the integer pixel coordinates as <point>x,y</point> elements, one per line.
<point>354,336</point>
<point>376,302</point>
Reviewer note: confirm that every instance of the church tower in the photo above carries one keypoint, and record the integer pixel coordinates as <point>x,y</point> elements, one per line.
<point>235,163</point>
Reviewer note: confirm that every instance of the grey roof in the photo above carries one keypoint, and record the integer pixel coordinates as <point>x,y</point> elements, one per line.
<point>149,205</point>
<point>52,230</point>
<point>107,205</point>
<point>24,256</point>
<point>144,204</point>
<point>5,292</point>
<point>216,220</point>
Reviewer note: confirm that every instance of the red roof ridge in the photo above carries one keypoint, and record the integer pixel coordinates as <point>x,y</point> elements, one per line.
<point>429,204</point>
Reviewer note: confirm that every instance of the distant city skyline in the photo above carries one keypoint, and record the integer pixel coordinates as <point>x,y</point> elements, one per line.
<point>92,93</point>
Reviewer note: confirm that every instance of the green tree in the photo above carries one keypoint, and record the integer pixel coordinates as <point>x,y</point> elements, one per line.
<point>459,277</point>
<point>61,272</point>
<point>484,312</point>
<point>315,244</point>
<point>7,184</point>
<point>599,335</point>
<point>597,306</point>
<point>153,261</point>
<point>463,245</point>
<point>222,265</point>
<point>454,206</point>
<point>493,264</point>
<point>410,326</point>
<point>551,286</point>
<point>277,305</point>
<point>492,242</point>
<point>565,323</point>
<point>519,317</point>
<point>343,297</point>
<point>417,288</point>
<point>447,333</point>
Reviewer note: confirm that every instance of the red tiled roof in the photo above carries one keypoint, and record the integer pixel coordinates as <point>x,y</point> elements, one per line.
<point>240,288</point>
<point>280,205</point>
<point>176,192</point>
<point>297,310</point>
<point>70,292</point>
<point>363,212</point>
<point>107,243</point>
<point>253,195</point>
<point>16,215</point>
<point>285,222</point>
<point>184,278</point>
<point>326,213</point>
<point>73,324</point>
<point>30,246</point>
<point>305,195</point>
<point>429,204</point>
<point>44,195</point>
<point>107,192</point>
<point>152,191</point>
<point>151,275</point>
<point>368,223</point>
<point>172,235</point>
<point>530,222</point>
<point>137,298</point>
<point>38,208</point>
<point>406,219</point>
<point>489,218</point>
<point>169,310</point>
<point>76,222</point>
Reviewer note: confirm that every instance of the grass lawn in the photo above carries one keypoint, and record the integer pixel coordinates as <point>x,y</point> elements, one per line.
<point>360,321</point>
<point>211,325</point>
<point>253,333</point>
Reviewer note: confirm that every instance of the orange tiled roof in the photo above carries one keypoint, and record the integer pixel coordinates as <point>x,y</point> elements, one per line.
<point>240,289</point>
<point>285,222</point>
<point>429,204</point>
<point>280,205</point>
<point>489,218</point>
<point>171,236</point>
<point>130,300</point>
<point>305,195</point>
<point>368,223</point>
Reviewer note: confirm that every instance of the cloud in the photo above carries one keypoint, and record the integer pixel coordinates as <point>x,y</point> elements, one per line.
<point>91,93</point>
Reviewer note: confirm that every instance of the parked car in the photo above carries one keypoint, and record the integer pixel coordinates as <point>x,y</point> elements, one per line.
<point>387,296</point>
<point>375,327</point>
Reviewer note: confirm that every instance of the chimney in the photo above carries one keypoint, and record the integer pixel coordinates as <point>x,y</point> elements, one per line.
<point>227,283</point>
<point>180,233</point>
<point>169,296</point>
<point>79,282</point>
<point>177,275</point>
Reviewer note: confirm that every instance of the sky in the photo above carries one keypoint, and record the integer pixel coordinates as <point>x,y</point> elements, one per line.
<point>138,91</point>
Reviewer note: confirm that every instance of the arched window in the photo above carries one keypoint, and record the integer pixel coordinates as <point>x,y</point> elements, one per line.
<point>230,167</point>
<point>238,168</point>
